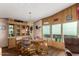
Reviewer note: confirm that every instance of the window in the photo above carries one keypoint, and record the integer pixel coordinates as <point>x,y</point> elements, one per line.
<point>46,31</point>
<point>70,29</point>
<point>56,29</point>
<point>56,32</point>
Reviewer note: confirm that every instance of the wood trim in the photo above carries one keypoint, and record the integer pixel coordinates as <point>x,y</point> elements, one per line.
<point>61,16</point>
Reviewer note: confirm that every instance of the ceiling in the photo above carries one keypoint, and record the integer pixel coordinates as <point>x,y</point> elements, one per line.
<point>21,11</point>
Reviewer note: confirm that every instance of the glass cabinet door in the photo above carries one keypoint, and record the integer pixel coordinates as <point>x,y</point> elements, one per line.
<point>11,30</point>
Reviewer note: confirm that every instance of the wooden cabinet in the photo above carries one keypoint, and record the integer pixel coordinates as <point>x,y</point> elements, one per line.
<point>19,30</point>
<point>11,42</point>
<point>23,30</point>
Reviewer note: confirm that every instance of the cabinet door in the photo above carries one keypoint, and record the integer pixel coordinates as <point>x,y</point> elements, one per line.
<point>11,43</point>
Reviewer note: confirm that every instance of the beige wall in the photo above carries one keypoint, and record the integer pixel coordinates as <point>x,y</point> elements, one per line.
<point>38,32</point>
<point>3,33</point>
<point>30,23</point>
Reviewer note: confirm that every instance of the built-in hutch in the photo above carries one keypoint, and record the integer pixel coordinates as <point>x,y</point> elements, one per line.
<point>16,31</point>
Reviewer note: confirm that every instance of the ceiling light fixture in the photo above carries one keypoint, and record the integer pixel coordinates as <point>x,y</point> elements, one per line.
<point>30,15</point>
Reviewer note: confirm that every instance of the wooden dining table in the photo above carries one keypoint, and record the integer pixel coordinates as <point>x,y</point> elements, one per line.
<point>40,44</point>
<point>37,42</point>
<point>34,47</point>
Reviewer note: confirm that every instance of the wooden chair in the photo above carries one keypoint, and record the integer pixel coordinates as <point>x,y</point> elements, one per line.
<point>41,48</point>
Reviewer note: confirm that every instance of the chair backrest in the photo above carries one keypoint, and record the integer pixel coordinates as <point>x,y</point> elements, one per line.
<point>25,42</point>
<point>68,52</point>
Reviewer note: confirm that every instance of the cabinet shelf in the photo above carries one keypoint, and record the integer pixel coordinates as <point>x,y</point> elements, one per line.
<point>15,30</point>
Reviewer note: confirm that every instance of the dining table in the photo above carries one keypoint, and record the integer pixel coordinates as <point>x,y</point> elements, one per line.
<point>41,46</point>
<point>37,43</point>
